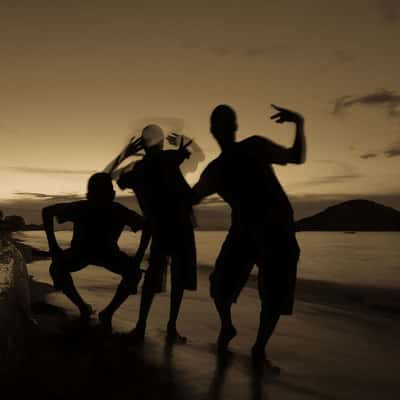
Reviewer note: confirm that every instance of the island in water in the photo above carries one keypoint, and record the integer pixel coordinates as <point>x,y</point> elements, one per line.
<point>353,216</point>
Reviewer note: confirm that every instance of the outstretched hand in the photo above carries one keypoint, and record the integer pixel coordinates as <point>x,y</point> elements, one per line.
<point>284,115</point>
<point>174,138</point>
<point>134,146</point>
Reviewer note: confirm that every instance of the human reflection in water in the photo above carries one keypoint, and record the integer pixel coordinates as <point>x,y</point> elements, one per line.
<point>226,362</point>
<point>223,363</point>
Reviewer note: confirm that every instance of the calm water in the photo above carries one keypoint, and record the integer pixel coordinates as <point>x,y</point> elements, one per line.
<point>365,258</point>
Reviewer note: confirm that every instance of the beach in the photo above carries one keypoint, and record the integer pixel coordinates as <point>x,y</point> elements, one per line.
<point>333,347</point>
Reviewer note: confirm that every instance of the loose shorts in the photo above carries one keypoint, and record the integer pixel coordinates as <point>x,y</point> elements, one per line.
<point>176,243</point>
<point>274,249</point>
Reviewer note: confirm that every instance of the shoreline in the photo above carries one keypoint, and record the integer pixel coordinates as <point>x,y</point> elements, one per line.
<point>382,301</point>
<point>325,352</point>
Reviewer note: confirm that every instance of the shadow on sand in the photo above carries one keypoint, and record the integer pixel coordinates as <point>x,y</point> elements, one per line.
<point>82,363</point>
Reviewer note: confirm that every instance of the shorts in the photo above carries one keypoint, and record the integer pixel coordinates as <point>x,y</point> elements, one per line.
<point>177,244</point>
<point>72,260</point>
<point>274,249</point>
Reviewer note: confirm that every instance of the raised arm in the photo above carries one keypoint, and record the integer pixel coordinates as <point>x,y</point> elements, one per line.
<point>297,153</point>
<point>196,153</point>
<point>134,146</point>
<point>183,143</point>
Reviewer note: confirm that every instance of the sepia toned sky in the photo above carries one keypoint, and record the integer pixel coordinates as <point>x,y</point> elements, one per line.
<point>78,78</point>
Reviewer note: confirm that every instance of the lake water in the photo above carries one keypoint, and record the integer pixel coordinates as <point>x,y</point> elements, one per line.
<point>363,258</point>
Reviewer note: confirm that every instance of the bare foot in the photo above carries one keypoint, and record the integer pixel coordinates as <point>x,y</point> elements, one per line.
<point>173,336</point>
<point>260,361</point>
<point>136,335</point>
<point>225,336</point>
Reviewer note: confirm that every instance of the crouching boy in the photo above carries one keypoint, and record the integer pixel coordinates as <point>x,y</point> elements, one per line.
<point>98,223</point>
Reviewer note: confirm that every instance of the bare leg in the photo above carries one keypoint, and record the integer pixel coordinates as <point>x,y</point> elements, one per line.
<point>228,331</point>
<point>268,321</point>
<point>72,294</point>
<point>137,334</point>
<point>119,298</point>
<point>153,280</point>
<point>177,291</point>
<point>63,280</point>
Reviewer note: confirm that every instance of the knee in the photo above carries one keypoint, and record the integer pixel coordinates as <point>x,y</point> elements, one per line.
<point>269,309</point>
<point>213,287</point>
<point>295,252</point>
<point>152,284</point>
<point>177,285</point>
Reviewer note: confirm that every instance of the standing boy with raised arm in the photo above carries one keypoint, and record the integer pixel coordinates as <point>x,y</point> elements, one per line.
<point>262,230</point>
<point>165,199</point>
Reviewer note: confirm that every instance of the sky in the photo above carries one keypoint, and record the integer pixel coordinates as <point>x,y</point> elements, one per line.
<point>78,78</point>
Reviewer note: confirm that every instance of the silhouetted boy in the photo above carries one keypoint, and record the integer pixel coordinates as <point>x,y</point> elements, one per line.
<point>165,199</point>
<point>97,225</point>
<point>262,230</point>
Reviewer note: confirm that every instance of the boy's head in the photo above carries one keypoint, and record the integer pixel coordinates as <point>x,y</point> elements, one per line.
<point>153,137</point>
<point>223,124</point>
<point>100,188</point>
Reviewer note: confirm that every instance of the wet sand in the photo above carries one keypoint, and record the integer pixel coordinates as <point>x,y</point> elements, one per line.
<point>325,352</point>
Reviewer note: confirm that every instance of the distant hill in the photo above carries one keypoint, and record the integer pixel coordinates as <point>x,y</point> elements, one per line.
<point>353,215</point>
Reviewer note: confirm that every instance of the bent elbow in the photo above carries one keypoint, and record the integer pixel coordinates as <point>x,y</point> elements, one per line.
<point>298,157</point>
<point>300,160</point>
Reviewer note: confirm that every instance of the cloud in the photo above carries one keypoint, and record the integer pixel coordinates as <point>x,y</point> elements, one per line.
<point>51,197</point>
<point>343,172</point>
<point>390,151</point>
<point>30,204</point>
<point>393,150</point>
<point>368,155</point>
<point>390,10</point>
<point>38,170</point>
<point>329,180</point>
<point>252,51</point>
<point>388,99</point>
